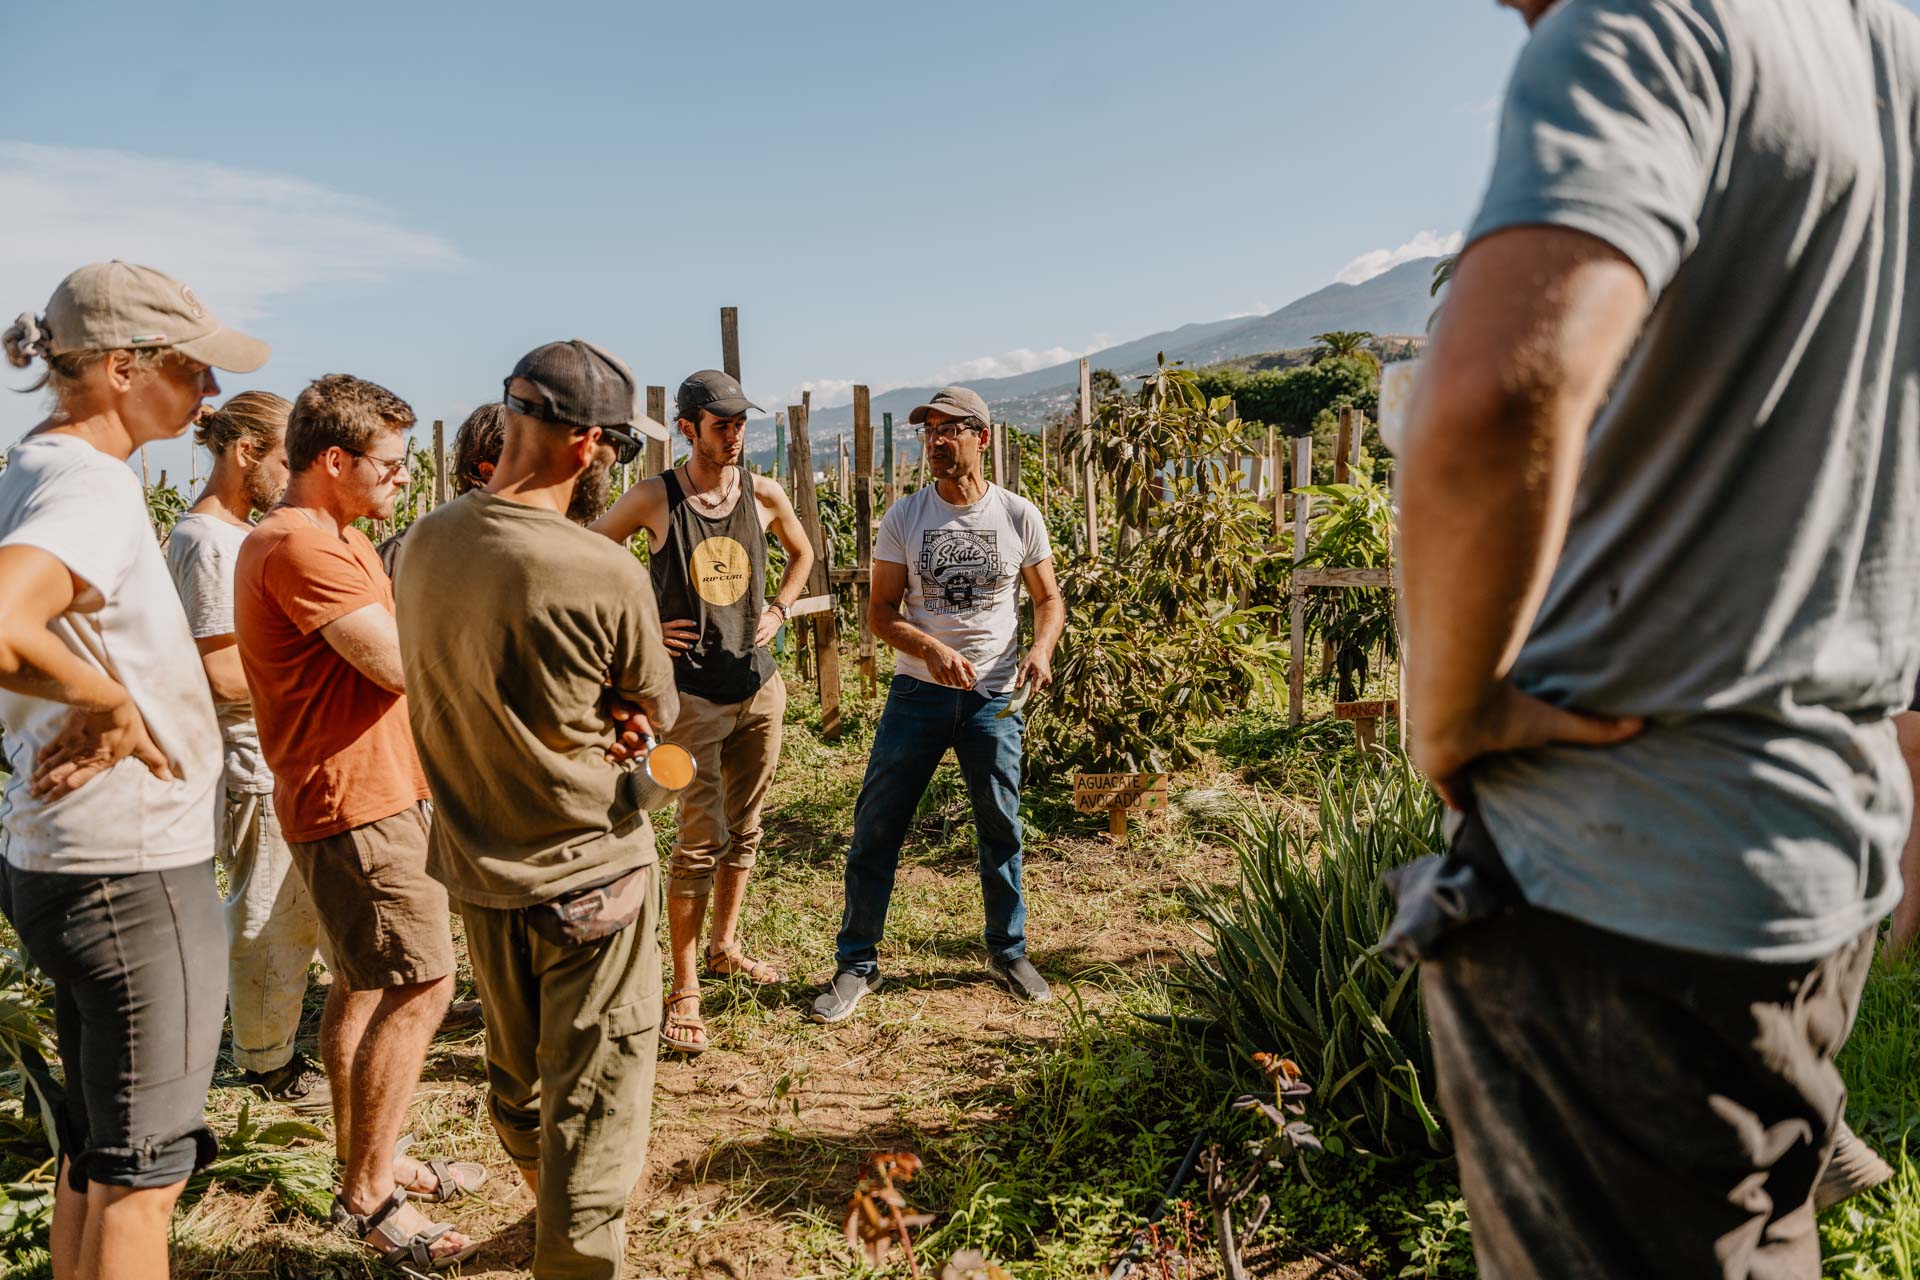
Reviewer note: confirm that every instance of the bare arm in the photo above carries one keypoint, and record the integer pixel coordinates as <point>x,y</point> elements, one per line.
<point>1537,325</point>
<point>642,507</point>
<point>370,642</point>
<point>220,656</point>
<point>777,514</point>
<point>103,727</point>
<point>1049,621</point>
<point>885,621</point>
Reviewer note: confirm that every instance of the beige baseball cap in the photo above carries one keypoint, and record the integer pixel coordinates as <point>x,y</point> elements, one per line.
<point>107,306</point>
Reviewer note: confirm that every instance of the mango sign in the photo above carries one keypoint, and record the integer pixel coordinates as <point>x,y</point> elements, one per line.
<point>1099,792</point>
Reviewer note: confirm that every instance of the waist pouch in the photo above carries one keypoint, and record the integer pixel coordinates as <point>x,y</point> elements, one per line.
<point>595,912</point>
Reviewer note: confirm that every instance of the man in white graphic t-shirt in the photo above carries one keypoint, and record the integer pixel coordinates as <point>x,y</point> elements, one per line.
<point>947,570</point>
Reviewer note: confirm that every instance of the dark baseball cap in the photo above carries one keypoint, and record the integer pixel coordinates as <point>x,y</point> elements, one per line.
<point>716,392</point>
<point>955,402</point>
<point>583,385</point>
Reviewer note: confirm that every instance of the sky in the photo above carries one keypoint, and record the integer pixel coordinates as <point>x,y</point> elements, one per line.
<point>892,194</point>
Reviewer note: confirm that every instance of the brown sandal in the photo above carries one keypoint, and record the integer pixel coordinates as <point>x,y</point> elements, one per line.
<point>674,1034</point>
<point>738,961</point>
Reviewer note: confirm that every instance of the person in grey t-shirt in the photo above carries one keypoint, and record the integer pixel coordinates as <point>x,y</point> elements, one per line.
<point>948,567</point>
<point>1662,587</point>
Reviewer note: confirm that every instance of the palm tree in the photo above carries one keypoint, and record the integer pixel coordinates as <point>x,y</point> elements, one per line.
<point>1344,342</point>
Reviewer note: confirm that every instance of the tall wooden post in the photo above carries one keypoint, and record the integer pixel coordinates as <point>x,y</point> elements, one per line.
<point>656,459</point>
<point>1090,478</point>
<point>439,461</point>
<point>890,459</point>
<point>826,633</point>
<point>1043,460</point>
<point>863,534</point>
<point>1012,450</point>
<point>843,481</point>
<point>779,444</point>
<point>1277,461</point>
<point>1358,435</point>
<point>1343,444</point>
<point>730,341</point>
<point>1297,669</point>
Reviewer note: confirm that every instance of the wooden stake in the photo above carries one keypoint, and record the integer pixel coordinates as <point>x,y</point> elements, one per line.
<point>825,633</point>
<point>1013,452</point>
<point>439,461</point>
<point>1276,459</point>
<point>1090,479</point>
<point>1343,445</point>
<point>1297,672</point>
<point>779,444</point>
<point>863,535</point>
<point>730,341</point>
<point>889,459</point>
<point>1117,824</point>
<point>657,450</point>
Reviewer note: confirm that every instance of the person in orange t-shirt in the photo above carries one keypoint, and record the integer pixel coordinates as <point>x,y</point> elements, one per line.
<point>313,615</point>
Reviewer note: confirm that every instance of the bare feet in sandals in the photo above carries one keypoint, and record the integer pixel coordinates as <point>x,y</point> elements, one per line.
<point>438,1181</point>
<point>684,1031</point>
<point>730,959</point>
<point>404,1237</point>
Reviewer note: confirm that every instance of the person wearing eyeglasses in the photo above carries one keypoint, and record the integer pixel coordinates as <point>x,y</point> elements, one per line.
<point>707,524</point>
<point>314,619</point>
<point>534,663</point>
<point>947,570</point>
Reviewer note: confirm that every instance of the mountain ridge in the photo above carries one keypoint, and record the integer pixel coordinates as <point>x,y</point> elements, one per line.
<point>1393,302</point>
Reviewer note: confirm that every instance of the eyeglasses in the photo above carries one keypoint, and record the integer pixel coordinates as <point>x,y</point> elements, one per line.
<point>947,431</point>
<point>626,446</point>
<point>392,466</point>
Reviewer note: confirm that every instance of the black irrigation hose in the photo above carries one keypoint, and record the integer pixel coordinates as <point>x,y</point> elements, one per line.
<point>1137,1246</point>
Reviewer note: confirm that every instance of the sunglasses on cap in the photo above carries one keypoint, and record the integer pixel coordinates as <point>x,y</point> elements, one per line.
<point>626,446</point>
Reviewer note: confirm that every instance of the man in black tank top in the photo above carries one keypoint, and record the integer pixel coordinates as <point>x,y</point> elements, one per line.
<point>706,524</point>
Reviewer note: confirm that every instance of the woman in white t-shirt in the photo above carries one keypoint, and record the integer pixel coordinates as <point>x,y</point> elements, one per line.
<point>114,756</point>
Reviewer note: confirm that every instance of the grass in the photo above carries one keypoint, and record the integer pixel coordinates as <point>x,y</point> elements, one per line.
<point>1048,1131</point>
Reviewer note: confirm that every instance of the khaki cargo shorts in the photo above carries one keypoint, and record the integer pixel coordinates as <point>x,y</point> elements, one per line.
<point>385,918</point>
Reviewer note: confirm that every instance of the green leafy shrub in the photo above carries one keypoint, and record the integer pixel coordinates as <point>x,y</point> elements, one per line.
<point>1171,629</point>
<point>1351,528</point>
<point>1292,968</point>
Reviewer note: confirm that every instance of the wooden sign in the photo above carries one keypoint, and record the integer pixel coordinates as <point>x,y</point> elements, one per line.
<point>1118,794</point>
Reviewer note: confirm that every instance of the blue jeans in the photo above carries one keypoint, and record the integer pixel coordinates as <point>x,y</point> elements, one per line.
<point>920,722</point>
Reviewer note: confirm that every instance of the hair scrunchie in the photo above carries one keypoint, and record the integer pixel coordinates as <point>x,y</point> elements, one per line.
<point>27,337</point>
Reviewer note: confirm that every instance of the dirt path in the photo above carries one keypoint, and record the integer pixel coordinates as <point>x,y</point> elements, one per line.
<point>757,1142</point>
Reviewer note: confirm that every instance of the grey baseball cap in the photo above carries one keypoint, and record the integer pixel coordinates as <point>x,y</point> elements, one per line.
<point>716,392</point>
<point>955,402</point>
<point>583,385</point>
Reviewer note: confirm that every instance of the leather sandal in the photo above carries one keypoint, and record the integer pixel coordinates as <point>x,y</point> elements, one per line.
<point>673,1034</point>
<point>739,961</point>
<point>415,1252</point>
<point>453,1178</point>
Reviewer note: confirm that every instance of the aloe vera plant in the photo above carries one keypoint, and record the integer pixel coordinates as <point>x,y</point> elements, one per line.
<point>1292,968</point>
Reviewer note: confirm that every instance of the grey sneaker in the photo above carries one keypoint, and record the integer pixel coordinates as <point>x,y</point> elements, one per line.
<point>836,1003</point>
<point>1020,978</point>
<point>1855,1167</point>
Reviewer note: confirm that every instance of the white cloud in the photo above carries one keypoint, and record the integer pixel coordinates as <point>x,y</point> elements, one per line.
<point>1007,364</point>
<point>829,393</point>
<point>240,237</point>
<point>1427,244</point>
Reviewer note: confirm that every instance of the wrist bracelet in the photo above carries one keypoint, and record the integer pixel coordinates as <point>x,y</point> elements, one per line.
<point>775,604</point>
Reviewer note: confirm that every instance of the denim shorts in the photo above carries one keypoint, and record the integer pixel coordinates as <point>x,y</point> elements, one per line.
<point>139,970</point>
